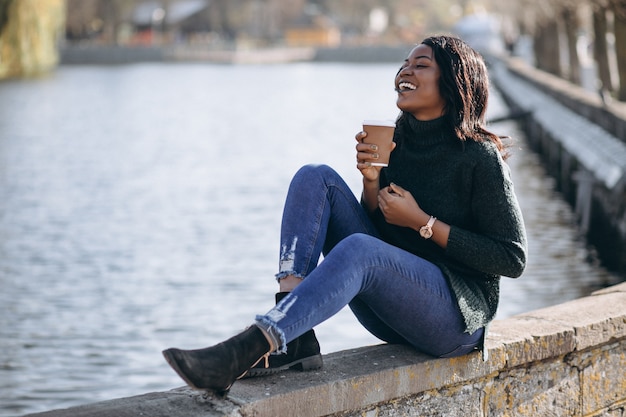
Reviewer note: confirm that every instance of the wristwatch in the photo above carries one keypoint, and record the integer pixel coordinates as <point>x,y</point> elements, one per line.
<point>426,231</point>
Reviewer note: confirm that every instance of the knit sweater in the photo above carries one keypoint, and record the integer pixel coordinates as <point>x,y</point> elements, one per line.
<point>467,185</point>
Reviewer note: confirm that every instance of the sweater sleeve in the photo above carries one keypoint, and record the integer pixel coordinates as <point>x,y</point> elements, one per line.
<point>496,245</point>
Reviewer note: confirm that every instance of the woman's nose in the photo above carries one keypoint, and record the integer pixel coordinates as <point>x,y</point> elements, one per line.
<point>405,70</point>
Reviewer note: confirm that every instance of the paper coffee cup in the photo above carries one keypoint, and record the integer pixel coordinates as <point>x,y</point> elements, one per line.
<point>380,133</point>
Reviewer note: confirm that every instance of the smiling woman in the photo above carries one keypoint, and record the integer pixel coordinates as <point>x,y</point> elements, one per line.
<point>418,260</point>
<point>417,84</point>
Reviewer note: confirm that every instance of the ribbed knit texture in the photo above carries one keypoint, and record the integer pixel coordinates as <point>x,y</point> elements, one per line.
<point>468,186</point>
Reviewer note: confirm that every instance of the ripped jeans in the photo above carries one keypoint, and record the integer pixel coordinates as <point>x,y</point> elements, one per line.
<point>397,296</point>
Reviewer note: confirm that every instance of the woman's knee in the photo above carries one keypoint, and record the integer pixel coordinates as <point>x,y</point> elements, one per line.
<point>311,171</point>
<point>359,244</point>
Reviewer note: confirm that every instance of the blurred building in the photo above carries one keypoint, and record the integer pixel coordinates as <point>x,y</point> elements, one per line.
<point>171,22</point>
<point>313,29</point>
<point>149,22</point>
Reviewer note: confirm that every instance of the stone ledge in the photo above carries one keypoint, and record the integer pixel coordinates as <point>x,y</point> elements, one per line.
<point>557,330</point>
<point>367,377</point>
<point>606,160</point>
<point>611,115</point>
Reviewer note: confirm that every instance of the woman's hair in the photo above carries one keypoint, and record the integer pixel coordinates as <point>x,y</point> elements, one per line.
<point>464,85</point>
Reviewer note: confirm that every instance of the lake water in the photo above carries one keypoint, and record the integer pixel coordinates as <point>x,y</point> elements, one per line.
<point>140,208</point>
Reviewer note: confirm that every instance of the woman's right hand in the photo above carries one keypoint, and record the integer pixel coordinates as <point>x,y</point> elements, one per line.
<point>365,155</point>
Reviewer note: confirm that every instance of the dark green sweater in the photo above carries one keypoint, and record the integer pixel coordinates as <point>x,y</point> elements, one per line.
<point>468,186</point>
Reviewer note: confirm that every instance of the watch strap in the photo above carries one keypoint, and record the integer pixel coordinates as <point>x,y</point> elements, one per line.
<point>431,221</point>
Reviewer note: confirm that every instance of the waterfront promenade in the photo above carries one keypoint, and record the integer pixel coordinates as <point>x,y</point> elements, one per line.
<point>582,142</point>
<point>565,359</point>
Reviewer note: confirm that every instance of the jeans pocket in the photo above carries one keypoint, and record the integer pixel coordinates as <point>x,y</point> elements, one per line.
<point>459,351</point>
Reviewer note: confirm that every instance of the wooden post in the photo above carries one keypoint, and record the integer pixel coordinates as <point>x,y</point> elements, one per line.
<point>584,190</point>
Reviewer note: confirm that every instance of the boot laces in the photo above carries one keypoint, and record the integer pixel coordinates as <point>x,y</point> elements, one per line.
<point>266,359</point>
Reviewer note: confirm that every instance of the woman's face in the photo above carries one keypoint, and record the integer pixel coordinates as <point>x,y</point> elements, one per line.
<point>417,84</point>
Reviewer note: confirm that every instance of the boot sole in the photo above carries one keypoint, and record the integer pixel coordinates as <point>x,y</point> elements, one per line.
<point>174,365</point>
<point>310,363</point>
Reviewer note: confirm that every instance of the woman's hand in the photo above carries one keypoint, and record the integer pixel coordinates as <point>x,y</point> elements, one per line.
<point>399,207</point>
<point>366,154</point>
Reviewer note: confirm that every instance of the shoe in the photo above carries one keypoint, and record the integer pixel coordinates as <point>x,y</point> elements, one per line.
<point>216,368</point>
<point>303,353</point>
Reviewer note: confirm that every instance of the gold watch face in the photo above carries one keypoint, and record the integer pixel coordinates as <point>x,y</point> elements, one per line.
<point>426,232</point>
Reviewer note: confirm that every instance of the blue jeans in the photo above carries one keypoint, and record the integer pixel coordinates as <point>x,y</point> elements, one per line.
<point>397,296</point>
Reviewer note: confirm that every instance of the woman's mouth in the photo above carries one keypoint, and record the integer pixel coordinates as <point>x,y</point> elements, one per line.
<point>405,86</point>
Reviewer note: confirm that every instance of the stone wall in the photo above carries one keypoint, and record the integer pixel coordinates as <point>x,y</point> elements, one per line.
<point>565,360</point>
<point>602,110</point>
<point>29,34</point>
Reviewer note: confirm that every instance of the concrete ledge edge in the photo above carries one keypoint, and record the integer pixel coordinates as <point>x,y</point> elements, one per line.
<point>358,378</point>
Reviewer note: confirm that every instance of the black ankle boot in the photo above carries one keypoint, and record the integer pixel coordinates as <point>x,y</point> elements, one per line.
<point>216,368</point>
<point>303,353</point>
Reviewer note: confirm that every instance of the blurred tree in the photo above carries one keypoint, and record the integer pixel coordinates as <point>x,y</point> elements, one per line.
<point>98,19</point>
<point>546,44</point>
<point>270,18</point>
<point>619,24</point>
<point>547,20</point>
<point>571,21</point>
<point>29,36</point>
<point>82,20</point>
<point>111,12</point>
<point>600,47</point>
<point>224,16</point>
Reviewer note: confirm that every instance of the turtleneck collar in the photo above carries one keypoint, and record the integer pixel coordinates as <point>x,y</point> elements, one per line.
<point>425,132</point>
<point>424,126</point>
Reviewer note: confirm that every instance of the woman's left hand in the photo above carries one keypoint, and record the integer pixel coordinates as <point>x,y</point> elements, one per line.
<point>398,206</point>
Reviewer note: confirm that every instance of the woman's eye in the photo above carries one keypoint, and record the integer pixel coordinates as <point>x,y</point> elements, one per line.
<point>407,65</point>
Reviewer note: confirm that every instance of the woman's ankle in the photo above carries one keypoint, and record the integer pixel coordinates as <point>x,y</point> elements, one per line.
<point>288,283</point>
<point>270,341</point>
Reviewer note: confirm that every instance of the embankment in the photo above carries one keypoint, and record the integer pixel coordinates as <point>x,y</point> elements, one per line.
<point>565,360</point>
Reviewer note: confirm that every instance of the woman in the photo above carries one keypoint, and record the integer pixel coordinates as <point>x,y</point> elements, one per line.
<point>418,259</point>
